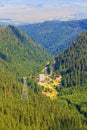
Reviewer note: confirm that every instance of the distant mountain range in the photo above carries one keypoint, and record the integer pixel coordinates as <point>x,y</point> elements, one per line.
<point>72,63</point>
<point>55,36</point>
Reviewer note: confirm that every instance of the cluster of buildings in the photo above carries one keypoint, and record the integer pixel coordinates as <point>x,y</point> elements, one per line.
<point>41,77</point>
<point>48,71</point>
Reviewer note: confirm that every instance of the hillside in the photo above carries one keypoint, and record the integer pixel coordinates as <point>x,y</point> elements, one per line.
<point>72,63</point>
<point>19,54</point>
<point>55,36</point>
<point>40,112</point>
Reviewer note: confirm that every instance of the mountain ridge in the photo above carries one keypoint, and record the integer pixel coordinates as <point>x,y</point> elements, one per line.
<point>55,36</point>
<point>19,52</point>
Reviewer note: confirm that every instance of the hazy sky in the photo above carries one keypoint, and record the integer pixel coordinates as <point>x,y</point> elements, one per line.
<point>41,10</point>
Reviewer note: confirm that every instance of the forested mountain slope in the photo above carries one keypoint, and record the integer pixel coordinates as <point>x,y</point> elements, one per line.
<point>18,53</point>
<point>55,36</point>
<point>20,56</point>
<point>72,63</point>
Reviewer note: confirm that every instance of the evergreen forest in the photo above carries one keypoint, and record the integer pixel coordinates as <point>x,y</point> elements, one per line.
<point>72,63</point>
<point>55,36</point>
<point>20,56</point>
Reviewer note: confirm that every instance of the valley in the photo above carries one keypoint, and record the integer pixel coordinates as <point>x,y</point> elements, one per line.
<point>56,90</point>
<point>43,65</point>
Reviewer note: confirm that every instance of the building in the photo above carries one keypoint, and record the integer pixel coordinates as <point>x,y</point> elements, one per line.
<point>58,76</point>
<point>41,78</point>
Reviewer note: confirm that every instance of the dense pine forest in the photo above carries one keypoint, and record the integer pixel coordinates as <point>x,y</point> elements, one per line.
<point>20,56</point>
<point>72,63</point>
<point>68,111</point>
